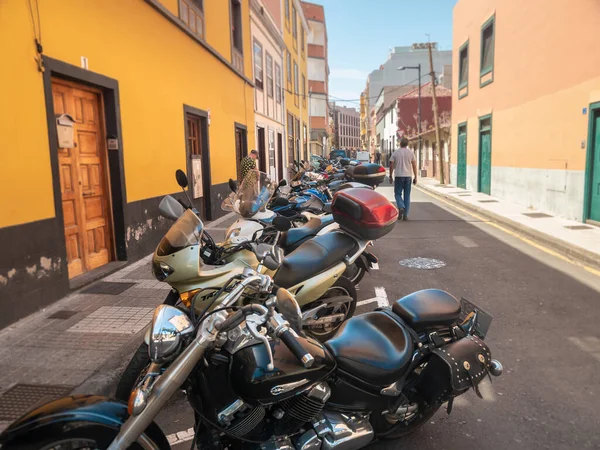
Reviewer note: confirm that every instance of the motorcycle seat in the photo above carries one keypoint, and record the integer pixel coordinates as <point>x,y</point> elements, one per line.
<point>313,257</point>
<point>427,308</point>
<point>373,347</point>
<point>296,236</point>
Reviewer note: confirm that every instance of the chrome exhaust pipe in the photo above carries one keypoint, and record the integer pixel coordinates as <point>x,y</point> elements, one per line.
<point>496,368</point>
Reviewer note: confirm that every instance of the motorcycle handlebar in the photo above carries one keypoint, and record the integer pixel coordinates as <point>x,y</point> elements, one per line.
<point>289,338</point>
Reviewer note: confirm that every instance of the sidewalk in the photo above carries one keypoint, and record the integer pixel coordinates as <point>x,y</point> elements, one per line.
<point>574,240</point>
<point>81,343</point>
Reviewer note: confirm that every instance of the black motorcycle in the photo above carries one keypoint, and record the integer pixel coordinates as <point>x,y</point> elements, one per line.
<point>254,381</point>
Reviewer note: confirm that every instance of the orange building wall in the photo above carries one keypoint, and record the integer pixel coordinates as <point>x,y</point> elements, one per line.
<point>546,69</point>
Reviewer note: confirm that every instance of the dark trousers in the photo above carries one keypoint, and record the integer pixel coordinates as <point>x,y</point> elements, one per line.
<point>402,186</point>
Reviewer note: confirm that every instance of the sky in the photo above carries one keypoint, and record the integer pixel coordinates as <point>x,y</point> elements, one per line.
<point>361,33</point>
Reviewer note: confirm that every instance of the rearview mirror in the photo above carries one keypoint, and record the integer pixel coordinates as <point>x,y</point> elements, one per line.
<point>282,224</point>
<point>282,183</point>
<point>170,208</point>
<point>288,306</point>
<point>181,178</point>
<point>233,185</point>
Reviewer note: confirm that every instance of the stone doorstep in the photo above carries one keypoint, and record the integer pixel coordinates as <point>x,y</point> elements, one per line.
<point>567,249</point>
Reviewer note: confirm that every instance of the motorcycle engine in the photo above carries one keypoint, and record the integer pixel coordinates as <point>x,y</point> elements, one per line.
<point>242,420</point>
<point>301,408</point>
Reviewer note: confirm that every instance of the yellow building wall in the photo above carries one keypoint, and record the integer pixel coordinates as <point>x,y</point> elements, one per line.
<point>546,71</point>
<point>159,69</point>
<point>300,111</point>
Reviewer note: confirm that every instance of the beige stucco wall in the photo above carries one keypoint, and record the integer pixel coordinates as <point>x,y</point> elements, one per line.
<point>268,114</point>
<point>546,71</point>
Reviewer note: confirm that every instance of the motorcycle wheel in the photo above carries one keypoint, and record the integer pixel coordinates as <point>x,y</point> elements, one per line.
<point>342,287</point>
<point>385,430</point>
<point>354,273</point>
<point>137,367</point>
<point>133,373</point>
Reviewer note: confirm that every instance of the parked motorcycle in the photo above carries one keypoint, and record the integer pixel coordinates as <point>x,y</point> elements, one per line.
<point>200,271</point>
<point>254,381</point>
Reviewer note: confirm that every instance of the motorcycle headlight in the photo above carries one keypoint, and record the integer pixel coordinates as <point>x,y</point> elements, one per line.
<point>161,270</point>
<point>169,329</point>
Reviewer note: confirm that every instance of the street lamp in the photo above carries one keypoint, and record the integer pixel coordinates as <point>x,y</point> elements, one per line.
<point>417,67</point>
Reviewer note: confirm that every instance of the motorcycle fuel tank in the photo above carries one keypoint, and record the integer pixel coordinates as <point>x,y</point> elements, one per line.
<point>255,384</point>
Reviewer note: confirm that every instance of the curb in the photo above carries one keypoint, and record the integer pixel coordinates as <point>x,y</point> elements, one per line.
<point>572,252</point>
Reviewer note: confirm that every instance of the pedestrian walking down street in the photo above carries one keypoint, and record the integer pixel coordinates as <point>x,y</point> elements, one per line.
<point>400,165</point>
<point>378,157</point>
<point>248,163</point>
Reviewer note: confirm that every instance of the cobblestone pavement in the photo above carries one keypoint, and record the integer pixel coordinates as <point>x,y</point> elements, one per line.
<point>83,341</point>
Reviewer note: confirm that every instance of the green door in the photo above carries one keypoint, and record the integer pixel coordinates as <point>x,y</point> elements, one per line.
<point>461,172</point>
<point>594,213</point>
<point>485,155</point>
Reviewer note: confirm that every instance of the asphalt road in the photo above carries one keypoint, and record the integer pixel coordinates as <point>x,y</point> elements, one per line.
<point>545,332</point>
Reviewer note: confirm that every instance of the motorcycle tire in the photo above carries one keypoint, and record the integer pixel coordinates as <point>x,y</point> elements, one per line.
<point>345,287</point>
<point>133,373</point>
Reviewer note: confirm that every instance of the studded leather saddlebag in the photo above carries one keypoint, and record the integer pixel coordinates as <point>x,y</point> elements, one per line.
<point>455,368</point>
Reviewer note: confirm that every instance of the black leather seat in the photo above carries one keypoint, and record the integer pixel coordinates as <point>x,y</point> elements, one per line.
<point>427,308</point>
<point>296,236</point>
<point>373,347</point>
<point>313,257</point>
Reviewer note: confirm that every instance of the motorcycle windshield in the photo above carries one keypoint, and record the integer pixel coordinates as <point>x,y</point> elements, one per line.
<point>253,194</point>
<point>187,231</point>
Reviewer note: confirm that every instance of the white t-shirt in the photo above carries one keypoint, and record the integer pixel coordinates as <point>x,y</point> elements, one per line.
<point>402,159</point>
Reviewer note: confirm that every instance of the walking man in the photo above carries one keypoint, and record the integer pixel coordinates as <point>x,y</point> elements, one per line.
<point>400,165</point>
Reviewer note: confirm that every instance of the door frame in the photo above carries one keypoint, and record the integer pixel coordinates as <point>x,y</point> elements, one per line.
<point>206,178</point>
<point>481,119</point>
<point>111,110</point>
<point>262,148</point>
<point>458,127</point>
<point>279,152</point>
<point>589,161</point>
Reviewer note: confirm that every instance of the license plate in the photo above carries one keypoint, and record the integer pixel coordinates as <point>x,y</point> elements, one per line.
<point>484,318</point>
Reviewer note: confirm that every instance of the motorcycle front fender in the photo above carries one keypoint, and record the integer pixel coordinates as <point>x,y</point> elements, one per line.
<point>79,416</point>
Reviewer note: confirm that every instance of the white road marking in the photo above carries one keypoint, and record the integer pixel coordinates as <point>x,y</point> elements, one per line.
<point>181,436</point>
<point>465,241</point>
<point>375,266</point>
<point>380,297</point>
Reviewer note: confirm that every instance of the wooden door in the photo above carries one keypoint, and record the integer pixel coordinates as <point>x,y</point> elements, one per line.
<point>485,156</point>
<point>198,166</point>
<point>594,213</point>
<point>83,179</point>
<point>461,169</point>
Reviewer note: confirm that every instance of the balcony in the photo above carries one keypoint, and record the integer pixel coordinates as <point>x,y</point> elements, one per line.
<point>237,60</point>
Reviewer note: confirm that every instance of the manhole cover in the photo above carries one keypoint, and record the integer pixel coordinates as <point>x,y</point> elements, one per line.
<point>22,397</point>
<point>422,263</point>
<point>107,287</point>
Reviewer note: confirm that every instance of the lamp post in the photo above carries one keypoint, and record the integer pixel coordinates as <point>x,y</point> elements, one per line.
<point>418,68</point>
